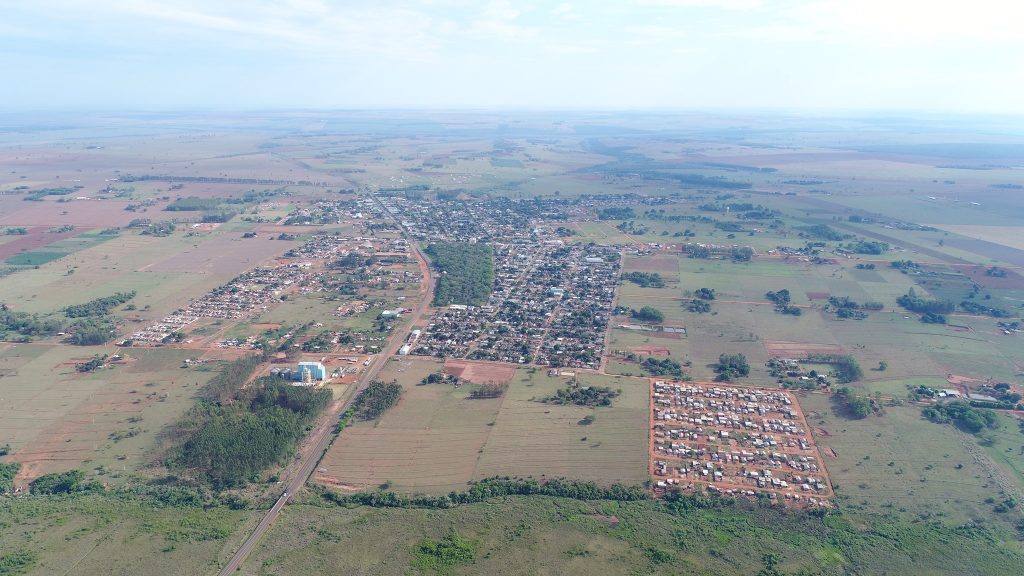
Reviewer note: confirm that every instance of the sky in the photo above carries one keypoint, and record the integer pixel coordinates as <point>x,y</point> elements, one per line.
<point>815,55</point>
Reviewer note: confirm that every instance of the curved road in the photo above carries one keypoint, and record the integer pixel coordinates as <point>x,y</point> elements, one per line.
<point>324,435</point>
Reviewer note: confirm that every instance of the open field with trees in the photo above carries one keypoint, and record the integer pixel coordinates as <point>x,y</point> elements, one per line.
<point>438,438</point>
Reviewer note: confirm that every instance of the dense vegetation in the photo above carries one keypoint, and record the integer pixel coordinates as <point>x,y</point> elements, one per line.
<point>92,364</point>
<point>489,390</point>
<point>823,232</point>
<point>911,301</point>
<point>193,203</point>
<point>975,308</point>
<point>467,273</point>
<point>229,380</point>
<point>645,279</point>
<point>62,483</point>
<point>583,395</point>
<point>16,562</point>
<point>962,415</point>
<point>99,306</point>
<point>867,247</point>
<point>233,443</point>
<point>442,555</point>
<point>705,293</point>
<point>615,213</point>
<point>494,488</point>
<point>28,324</point>
<point>663,367</point>
<point>648,314</point>
<point>376,399</point>
<point>781,299</point>
<point>731,366</point>
<point>698,306</point>
<point>853,405</point>
<point>7,474</point>
<point>845,367</point>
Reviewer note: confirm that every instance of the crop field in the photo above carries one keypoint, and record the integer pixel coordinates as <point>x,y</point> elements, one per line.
<point>531,438</point>
<point>57,419</point>
<point>429,442</point>
<point>437,439</point>
<point>223,254</point>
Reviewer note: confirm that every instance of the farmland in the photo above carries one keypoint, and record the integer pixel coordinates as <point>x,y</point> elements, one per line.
<point>557,302</point>
<point>438,439</point>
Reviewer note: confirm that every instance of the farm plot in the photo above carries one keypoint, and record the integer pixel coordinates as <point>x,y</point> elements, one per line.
<point>56,418</point>
<point>437,438</point>
<point>104,269</point>
<point>429,442</point>
<point>223,254</point>
<point>531,438</point>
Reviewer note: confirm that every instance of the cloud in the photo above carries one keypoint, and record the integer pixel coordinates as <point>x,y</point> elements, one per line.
<point>895,21</point>
<point>719,4</point>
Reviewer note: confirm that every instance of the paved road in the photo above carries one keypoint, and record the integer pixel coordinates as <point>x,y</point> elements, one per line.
<point>324,435</point>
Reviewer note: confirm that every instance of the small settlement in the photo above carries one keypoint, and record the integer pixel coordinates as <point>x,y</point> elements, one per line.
<point>736,441</point>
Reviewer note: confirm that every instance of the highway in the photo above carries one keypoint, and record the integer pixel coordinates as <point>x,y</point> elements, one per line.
<point>323,435</point>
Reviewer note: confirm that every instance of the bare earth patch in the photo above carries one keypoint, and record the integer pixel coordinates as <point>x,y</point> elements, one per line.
<point>799,349</point>
<point>480,372</point>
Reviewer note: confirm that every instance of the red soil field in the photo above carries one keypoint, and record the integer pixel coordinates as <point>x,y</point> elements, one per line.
<point>36,238</point>
<point>480,372</point>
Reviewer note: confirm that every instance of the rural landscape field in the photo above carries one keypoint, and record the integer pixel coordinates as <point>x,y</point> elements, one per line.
<point>516,343</point>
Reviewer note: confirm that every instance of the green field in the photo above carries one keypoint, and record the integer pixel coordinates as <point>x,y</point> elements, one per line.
<point>122,535</point>
<point>541,535</point>
<point>901,464</point>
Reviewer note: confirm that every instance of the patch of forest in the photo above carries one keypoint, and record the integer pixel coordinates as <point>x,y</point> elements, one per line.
<point>466,272</point>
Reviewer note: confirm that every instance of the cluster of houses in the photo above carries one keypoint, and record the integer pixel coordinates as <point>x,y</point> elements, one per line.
<point>737,441</point>
<point>550,305</point>
<point>303,270</point>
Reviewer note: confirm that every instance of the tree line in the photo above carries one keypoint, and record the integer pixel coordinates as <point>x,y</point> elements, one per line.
<point>493,488</point>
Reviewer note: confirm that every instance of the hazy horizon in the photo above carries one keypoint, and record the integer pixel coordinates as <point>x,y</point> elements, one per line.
<point>811,56</point>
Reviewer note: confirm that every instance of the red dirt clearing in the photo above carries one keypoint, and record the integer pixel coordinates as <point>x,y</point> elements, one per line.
<point>36,238</point>
<point>799,349</point>
<point>480,372</point>
<point>652,351</point>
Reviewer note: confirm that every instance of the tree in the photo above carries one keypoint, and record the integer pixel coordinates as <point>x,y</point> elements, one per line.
<point>731,366</point>
<point>648,314</point>
<point>705,293</point>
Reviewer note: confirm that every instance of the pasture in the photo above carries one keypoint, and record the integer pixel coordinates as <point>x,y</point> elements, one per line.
<point>58,419</point>
<point>899,463</point>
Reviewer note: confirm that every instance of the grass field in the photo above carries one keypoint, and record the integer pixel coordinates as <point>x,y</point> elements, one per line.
<point>537,535</point>
<point>122,536</point>
<point>57,419</point>
<point>901,464</point>
<point>437,439</point>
